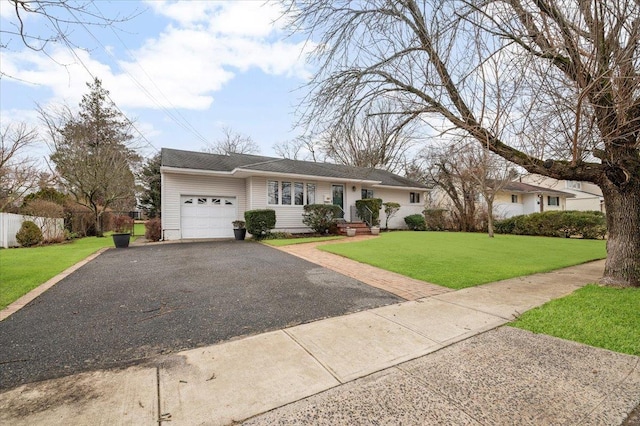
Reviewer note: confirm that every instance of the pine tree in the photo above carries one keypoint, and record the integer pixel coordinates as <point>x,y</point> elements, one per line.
<point>93,156</point>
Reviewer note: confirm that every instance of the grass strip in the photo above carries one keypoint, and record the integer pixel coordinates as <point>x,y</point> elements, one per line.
<point>603,317</point>
<point>23,269</point>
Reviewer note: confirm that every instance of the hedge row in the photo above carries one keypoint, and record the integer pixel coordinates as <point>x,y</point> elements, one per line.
<point>588,224</point>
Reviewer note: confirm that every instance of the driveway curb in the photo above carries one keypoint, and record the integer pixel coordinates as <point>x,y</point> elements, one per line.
<point>24,300</point>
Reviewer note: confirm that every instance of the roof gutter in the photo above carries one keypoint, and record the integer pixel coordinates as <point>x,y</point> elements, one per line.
<point>251,172</point>
<point>200,172</point>
<point>408,188</point>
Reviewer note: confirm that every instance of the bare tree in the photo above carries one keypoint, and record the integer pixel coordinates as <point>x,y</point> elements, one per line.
<point>292,149</point>
<point>573,114</point>
<point>91,152</point>
<point>233,142</point>
<point>19,173</point>
<point>60,17</point>
<point>490,173</point>
<point>374,138</point>
<point>447,170</point>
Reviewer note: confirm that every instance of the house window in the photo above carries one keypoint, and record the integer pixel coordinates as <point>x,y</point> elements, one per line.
<point>290,193</point>
<point>298,193</point>
<point>311,193</point>
<point>188,201</point>
<point>215,201</point>
<point>514,198</point>
<point>366,193</point>
<point>553,201</point>
<point>414,197</point>
<point>202,201</point>
<point>286,193</point>
<point>573,184</point>
<point>272,189</point>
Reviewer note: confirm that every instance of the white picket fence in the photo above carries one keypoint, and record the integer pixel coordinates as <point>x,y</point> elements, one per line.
<point>10,225</point>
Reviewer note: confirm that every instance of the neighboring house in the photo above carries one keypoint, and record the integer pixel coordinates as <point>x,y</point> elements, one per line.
<point>203,193</point>
<point>518,198</point>
<point>587,195</point>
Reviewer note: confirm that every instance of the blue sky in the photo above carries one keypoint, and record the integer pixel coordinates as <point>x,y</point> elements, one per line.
<point>180,70</point>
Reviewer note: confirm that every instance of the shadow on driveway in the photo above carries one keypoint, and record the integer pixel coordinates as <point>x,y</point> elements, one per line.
<point>128,305</point>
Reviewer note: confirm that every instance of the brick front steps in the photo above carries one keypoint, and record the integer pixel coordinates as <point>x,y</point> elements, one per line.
<point>360,227</point>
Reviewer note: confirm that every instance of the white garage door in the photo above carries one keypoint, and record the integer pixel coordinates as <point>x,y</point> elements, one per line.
<point>207,217</point>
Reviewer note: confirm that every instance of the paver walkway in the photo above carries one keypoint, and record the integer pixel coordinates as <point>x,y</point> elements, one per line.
<point>405,287</point>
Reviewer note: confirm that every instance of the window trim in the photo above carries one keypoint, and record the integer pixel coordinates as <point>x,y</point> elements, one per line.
<point>556,199</point>
<point>306,192</point>
<point>414,197</point>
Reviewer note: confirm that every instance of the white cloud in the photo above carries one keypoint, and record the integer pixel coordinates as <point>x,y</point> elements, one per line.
<point>240,18</point>
<point>205,45</point>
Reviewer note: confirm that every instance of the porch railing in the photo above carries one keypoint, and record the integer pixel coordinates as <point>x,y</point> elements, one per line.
<point>368,215</point>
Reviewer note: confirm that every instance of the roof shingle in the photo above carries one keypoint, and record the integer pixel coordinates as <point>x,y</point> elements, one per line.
<point>228,163</point>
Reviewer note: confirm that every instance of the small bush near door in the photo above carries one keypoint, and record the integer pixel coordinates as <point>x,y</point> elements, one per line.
<point>321,218</point>
<point>259,223</point>
<point>369,206</point>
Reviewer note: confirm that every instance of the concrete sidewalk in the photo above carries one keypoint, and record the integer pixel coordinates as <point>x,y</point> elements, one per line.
<point>425,361</point>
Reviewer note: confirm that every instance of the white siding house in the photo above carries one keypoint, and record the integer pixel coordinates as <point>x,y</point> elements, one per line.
<point>203,193</point>
<point>518,198</point>
<point>586,195</point>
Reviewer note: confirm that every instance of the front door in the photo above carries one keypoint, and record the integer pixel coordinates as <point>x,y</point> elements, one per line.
<point>338,197</point>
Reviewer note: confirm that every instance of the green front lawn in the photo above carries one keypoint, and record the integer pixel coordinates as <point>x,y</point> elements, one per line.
<point>598,316</point>
<point>458,260</point>
<point>23,269</point>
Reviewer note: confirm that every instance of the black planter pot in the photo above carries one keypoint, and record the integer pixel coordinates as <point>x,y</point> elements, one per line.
<point>240,233</point>
<point>121,240</point>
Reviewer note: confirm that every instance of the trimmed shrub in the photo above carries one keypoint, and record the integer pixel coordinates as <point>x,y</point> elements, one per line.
<point>321,217</point>
<point>49,212</point>
<point>390,210</point>
<point>588,224</point>
<point>373,204</point>
<point>29,234</point>
<point>259,223</point>
<point>153,229</point>
<point>416,222</point>
<point>435,219</point>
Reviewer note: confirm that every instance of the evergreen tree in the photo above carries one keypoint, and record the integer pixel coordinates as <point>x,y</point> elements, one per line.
<point>150,199</point>
<point>92,153</point>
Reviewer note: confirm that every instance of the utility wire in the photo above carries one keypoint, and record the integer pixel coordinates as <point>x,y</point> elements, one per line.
<point>79,59</point>
<point>178,118</point>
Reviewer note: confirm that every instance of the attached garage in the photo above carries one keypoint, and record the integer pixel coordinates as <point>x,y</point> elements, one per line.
<point>207,217</point>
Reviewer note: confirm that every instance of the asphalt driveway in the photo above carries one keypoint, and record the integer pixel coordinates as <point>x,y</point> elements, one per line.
<point>129,305</point>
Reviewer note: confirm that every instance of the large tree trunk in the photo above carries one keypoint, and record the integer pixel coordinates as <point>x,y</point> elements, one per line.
<point>623,226</point>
